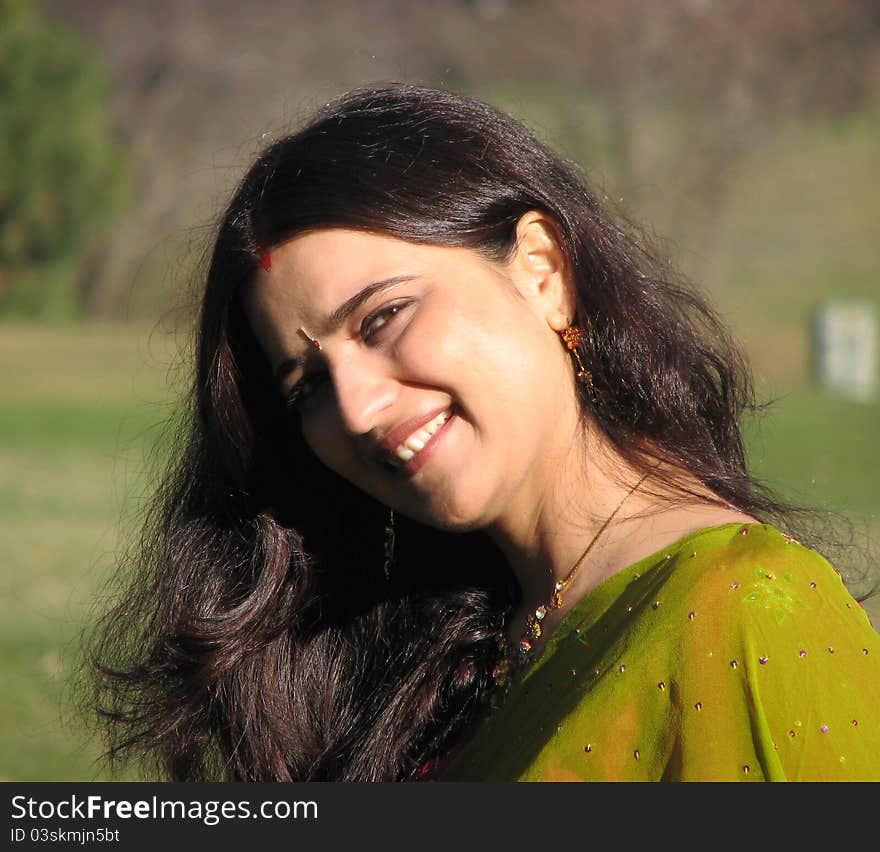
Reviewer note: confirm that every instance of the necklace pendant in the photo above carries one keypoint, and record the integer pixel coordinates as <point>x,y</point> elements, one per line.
<point>533,628</point>
<point>502,673</point>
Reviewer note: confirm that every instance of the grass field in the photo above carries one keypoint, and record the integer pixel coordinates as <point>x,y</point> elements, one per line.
<point>78,411</point>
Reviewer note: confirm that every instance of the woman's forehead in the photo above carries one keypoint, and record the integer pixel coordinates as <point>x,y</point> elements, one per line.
<point>319,267</point>
<point>341,255</point>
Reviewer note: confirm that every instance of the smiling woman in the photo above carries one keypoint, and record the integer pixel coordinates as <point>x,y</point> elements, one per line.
<point>465,497</point>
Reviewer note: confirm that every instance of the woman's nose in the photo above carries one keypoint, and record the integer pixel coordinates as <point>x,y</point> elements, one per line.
<point>363,390</point>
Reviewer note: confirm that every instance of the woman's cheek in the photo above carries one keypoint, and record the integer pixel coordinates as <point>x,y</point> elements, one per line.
<point>431,357</point>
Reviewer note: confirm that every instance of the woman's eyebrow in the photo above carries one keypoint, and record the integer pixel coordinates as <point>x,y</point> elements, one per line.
<point>339,316</point>
<point>344,311</point>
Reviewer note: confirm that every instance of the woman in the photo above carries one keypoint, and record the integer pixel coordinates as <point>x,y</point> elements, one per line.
<point>446,410</point>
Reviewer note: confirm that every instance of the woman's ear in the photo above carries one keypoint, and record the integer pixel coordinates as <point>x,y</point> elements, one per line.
<point>540,271</point>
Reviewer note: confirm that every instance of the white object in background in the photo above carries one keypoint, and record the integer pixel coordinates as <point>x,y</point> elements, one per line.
<point>845,348</point>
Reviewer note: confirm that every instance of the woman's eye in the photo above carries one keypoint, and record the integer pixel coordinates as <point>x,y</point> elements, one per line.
<point>375,322</point>
<point>304,389</point>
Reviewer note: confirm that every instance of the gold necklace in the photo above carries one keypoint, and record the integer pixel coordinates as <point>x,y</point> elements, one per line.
<point>534,629</point>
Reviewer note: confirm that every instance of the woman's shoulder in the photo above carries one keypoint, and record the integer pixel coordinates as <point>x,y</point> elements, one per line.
<point>745,553</point>
<point>755,574</point>
<point>737,556</point>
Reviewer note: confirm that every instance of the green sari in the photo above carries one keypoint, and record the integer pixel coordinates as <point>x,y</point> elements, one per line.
<point>733,654</point>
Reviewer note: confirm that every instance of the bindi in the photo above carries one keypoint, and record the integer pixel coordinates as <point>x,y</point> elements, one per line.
<point>315,344</point>
<point>265,258</point>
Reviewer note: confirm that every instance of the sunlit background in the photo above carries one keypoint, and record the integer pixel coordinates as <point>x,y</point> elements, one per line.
<point>743,133</point>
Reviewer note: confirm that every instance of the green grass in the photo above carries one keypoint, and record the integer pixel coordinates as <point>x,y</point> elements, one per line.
<point>79,408</point>
<point>819,450</point>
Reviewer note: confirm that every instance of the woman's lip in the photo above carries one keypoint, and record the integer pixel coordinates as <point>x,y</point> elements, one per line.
<point>422,457</point>
<point>393,438</point>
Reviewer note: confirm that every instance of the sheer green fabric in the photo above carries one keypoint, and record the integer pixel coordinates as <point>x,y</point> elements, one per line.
<point>733,654</point>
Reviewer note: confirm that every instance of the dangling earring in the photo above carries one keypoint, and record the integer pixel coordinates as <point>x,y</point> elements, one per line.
<point>390,536</point>
<point>572,338</point>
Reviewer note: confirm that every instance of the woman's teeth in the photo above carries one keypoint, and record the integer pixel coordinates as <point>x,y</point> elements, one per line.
<point>416,442</point>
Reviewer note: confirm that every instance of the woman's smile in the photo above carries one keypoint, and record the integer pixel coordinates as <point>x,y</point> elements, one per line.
<point>414,451</point>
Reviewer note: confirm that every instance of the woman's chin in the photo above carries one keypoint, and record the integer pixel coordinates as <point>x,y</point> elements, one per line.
<point>441,518</point>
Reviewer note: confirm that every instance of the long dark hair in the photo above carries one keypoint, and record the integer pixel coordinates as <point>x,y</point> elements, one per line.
<point>259,638</point>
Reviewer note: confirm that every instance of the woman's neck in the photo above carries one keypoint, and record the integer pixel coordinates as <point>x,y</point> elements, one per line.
<point>546,529</point>
<point>545,538</point>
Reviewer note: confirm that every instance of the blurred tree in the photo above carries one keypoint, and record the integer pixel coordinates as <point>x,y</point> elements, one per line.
<point>61,171</point>
<point>685,90</point>
<point>665,102</point>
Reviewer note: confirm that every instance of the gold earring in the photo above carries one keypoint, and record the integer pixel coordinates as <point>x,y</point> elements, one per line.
<point>572,338</point>
<point>390,539</point>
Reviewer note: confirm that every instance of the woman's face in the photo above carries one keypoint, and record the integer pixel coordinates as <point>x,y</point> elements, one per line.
<point>440,386</point>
